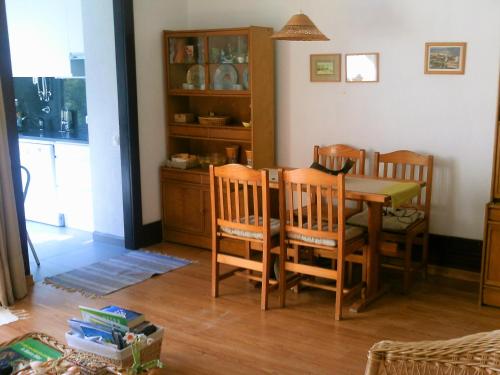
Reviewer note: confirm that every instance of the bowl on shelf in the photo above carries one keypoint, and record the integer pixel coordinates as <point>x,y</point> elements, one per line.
<point>215,159</point>
<point>246,124</point>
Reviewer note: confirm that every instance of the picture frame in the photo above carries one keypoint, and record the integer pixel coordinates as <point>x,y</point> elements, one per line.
<point>325,67</point>
<point>362,67</point>
<point>445,57</point>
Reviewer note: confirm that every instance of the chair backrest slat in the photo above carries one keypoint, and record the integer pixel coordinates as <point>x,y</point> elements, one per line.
<point>420,170</point>
<point>309,186</point>
<point>232,204</point>
<point>334,157</point>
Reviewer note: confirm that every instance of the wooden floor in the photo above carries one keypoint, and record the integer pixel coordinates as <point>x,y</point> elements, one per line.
<point>230,335</point>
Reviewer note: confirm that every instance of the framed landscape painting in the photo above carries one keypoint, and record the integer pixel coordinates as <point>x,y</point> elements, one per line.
<point>325,68</point>
<point>445,58</point>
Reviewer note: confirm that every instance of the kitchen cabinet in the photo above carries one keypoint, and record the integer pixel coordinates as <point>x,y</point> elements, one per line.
<point>60,191</point>
<point>42,35</point>
<point>74,190</point>
<point>42,203</point>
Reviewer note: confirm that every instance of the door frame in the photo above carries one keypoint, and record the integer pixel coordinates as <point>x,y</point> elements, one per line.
<point>136,234</point>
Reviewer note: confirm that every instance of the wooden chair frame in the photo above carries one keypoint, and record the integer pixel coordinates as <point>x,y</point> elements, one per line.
<point>232,206</point>
<point>334,157</point>
<point>307,183</point>
<point>406,165</point>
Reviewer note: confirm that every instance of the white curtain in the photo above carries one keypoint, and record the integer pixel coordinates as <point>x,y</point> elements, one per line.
<point>12,278</point>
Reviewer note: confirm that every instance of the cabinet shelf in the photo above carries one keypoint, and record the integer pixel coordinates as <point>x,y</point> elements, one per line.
<point>214,133</point>
<point>226,93</point>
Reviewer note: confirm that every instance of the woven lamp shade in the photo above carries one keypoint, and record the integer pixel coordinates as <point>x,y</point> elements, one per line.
<point>299,27</point>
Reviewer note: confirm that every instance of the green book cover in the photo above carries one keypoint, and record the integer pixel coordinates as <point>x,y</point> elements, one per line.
<point>21,353</point>
<point>104,318</point>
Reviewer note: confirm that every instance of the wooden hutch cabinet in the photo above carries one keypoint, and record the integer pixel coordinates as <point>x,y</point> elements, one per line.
<point>227,72</point>
<point>490,275</point>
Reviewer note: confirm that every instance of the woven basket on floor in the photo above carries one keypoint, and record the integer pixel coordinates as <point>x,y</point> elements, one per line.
<point>470,355</point>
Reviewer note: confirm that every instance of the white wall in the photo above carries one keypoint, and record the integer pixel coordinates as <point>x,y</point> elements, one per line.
<point>102,109</point>
<point>151,17</point>
<point>451,117</point>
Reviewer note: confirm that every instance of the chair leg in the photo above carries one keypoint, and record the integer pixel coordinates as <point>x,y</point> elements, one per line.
<point>247,256</point>
<point>215,267</point>
<point>349,273</point>
<point>265,277</point>
<point>425,254</point>
<point>407,264</point>
<point>296,258</point>
<point>339,295</point>
<point>33,251</point>
<point>282,276</point>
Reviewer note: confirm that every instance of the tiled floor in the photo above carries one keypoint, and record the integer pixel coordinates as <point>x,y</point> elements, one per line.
<point>61,249</point>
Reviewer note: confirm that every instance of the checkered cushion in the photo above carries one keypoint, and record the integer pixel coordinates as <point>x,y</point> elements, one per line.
<point>274,227</point>
<point>350,233</point>
<point>393,220</point>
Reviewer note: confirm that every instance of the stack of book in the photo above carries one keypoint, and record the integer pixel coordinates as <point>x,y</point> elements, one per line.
<point>108,326</point>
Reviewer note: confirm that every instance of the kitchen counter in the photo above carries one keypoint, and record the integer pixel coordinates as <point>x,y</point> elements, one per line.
<point>55,136</point>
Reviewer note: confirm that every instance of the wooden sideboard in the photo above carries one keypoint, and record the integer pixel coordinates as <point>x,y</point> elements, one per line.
<point>228,72</point>
<point>490,274</point>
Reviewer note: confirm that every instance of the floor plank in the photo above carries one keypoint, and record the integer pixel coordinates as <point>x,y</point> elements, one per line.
<point>231,335</point>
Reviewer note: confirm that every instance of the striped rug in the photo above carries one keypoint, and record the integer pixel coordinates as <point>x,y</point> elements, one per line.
<point>105,277</point>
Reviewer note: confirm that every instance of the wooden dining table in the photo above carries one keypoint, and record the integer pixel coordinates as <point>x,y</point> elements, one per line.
<point>372,191</point>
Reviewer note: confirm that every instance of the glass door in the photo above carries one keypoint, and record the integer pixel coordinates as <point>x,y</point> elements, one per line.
<point>186,63</point>
<point>228,62</point>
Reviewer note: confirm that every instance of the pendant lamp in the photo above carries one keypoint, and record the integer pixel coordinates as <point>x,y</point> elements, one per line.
<point>299,27</point>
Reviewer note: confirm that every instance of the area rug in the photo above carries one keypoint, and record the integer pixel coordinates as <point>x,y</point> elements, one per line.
<point>113,274</point>
<point>8,316</point>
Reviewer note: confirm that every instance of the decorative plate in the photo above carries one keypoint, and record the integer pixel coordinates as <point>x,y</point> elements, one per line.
<point>196,75</point>
<point>245,78</point>
<point>225,77</point>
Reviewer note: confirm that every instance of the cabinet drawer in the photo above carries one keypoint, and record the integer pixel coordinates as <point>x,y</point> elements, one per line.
<point>189,131</point>
<point>234,134</point>
<point>179,175</point>
<point>494,213</point>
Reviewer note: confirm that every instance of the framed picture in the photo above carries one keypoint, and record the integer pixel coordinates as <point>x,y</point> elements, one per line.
<point>445,58</point>
<point>326,67</point>
<point>361,67</point>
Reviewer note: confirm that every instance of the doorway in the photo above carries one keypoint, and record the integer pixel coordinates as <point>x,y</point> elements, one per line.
<point>134,234</point>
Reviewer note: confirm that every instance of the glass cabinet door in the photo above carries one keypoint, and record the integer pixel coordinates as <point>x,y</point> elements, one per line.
<point>186,63</point>
<point>228,62</point>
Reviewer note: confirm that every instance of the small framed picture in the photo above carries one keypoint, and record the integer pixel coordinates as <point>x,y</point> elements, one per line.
<point>361,67</point>
<point>325,67</point>
<point>445,58</point>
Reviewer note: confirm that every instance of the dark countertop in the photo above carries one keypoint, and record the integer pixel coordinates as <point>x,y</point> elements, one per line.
<point>55,136</point>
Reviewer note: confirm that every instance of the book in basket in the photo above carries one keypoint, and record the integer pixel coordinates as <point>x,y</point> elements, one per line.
<point>112,316</point>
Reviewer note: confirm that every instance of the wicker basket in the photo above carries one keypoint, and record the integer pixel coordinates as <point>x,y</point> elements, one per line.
<point>119,358</point>
<point>469,355</point>
<point>213,120</point>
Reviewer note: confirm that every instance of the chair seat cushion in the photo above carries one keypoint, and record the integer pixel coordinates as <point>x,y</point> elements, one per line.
<point>274,228</point>
<point>393,220</point>
<point>350,233</point>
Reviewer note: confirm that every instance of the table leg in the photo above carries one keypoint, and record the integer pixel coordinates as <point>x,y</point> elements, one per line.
<point>373,290</point>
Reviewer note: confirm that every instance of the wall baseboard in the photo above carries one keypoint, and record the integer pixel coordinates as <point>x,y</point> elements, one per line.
<point>109,239</point>
<point>455,253</point>
<point>151,234</point>
<point>454,273</point>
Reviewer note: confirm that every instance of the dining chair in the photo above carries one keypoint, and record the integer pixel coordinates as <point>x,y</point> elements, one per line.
<point>240,210</point>
<point>318,230</point>
<point>334,157</point>
<point>409,224</point>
